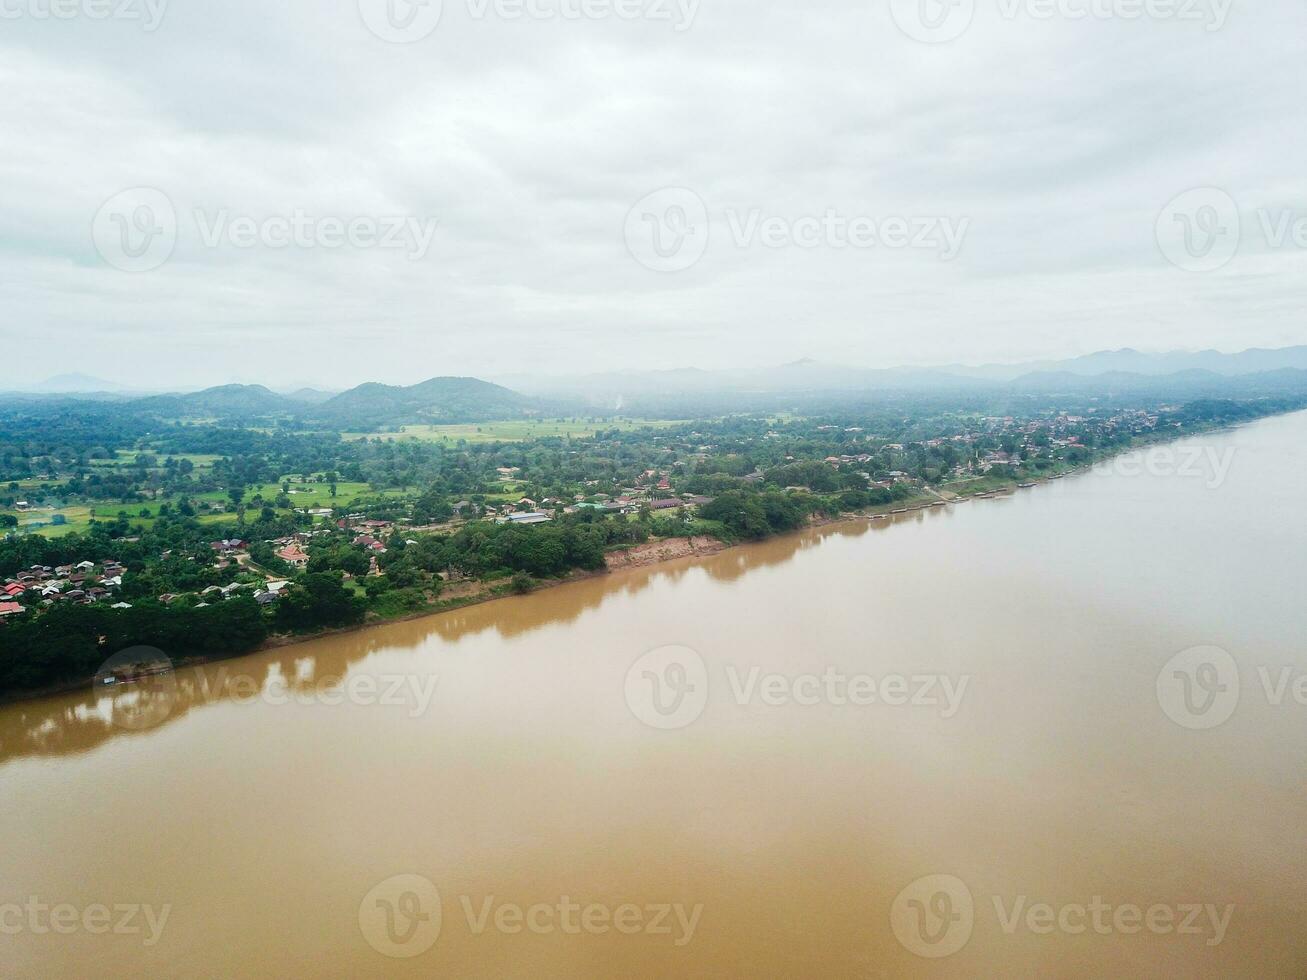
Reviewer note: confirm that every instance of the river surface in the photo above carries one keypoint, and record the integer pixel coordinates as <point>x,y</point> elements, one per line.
<point>937,746</point>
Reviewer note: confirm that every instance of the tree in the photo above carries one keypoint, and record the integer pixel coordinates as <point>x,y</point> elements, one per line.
<point>319,599</point>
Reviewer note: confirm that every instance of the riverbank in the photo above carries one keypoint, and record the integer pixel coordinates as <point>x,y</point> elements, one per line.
<point>664,551</point>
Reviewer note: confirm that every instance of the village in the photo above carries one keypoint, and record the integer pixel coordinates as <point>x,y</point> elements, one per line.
<point>357,542</point>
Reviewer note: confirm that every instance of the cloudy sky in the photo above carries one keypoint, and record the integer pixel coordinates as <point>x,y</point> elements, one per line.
<point>325,193</point>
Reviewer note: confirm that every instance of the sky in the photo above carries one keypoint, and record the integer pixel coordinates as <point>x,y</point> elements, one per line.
<point>307,193</point>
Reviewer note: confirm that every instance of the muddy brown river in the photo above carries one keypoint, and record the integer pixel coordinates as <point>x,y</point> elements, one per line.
<point>1061,733</point>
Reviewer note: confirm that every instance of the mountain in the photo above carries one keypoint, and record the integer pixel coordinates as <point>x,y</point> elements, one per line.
<point>311,396</point>
<point>226,401</point>
<point>1130,361</point>
<point>437,401</point>
<point>67,384</point>
<point>617,390</point>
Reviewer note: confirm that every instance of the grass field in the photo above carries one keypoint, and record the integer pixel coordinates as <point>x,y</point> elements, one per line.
<point>78,519</point>
<point>302,496</point>
<point>516,431</point>
<point>127,457</point>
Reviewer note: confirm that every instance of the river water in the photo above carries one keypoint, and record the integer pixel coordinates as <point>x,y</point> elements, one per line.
<point>969,741</point>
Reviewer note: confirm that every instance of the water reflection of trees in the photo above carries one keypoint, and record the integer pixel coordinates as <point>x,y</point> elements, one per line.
<point>76,723</point>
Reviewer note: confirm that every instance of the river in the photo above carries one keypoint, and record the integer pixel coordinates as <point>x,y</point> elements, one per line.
<point>968,741</point>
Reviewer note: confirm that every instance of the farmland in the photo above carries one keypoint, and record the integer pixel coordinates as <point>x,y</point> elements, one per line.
<point>515,431</point>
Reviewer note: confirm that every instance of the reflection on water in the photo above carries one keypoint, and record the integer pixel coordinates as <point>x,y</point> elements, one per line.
<point>77,723</point>
<point>298,821</point>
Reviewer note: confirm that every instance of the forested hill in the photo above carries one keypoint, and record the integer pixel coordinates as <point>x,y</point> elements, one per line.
<point>437,401</point>
<point>440,400</point>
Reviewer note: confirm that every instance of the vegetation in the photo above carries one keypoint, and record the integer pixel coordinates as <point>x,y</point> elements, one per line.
<point>204,538</point>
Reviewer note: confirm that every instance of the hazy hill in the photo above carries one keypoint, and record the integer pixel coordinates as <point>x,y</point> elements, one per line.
<point>1130,361</point>
<point>621,389</point>
<point>439,400</point>
<point>67,384</point>
<point>311,396</point>
<point>226,401</point>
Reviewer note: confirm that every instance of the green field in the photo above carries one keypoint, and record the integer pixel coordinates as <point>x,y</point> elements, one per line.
<point>516,431</point>
<point>302,496</point>
<point>78,518</point>
<point>127,457</point>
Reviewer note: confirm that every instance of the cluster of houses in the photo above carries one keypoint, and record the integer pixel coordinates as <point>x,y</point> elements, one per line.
<point>630,501</point>
<point>83,583</point>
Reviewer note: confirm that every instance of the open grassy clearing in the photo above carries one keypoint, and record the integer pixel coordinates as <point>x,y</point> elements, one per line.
<point>145,513</point>
<point>514,431</point>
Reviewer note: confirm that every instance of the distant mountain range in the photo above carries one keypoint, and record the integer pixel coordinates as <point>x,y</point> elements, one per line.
<point>805,383</point>
<point>811,375</point>
<point>70,384</point>
<point>437,401</point>
<point>1128,361</point>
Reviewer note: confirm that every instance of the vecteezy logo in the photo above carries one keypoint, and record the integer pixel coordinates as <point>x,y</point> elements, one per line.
<point>667,231</point>
<point>667,688</point>
<point>1199,688</point>
<point>933,21</point>
<point>401,21</point>
<point>933,917</point>
<point>136,230</point>
<point>1199,230</point>
<point>142,685</point>
<point>401,917</point>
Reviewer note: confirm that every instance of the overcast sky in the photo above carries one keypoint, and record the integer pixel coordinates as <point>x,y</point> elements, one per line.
<point>491,196</point>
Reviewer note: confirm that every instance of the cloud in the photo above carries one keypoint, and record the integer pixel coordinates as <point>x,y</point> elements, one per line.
<point>529,140</point>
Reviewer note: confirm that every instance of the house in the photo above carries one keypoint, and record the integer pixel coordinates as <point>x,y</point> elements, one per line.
<point>228,547</point>
<point>294,556</point>
<point>533,518</point>
<point>10,609</point>
<point>13,590</point>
